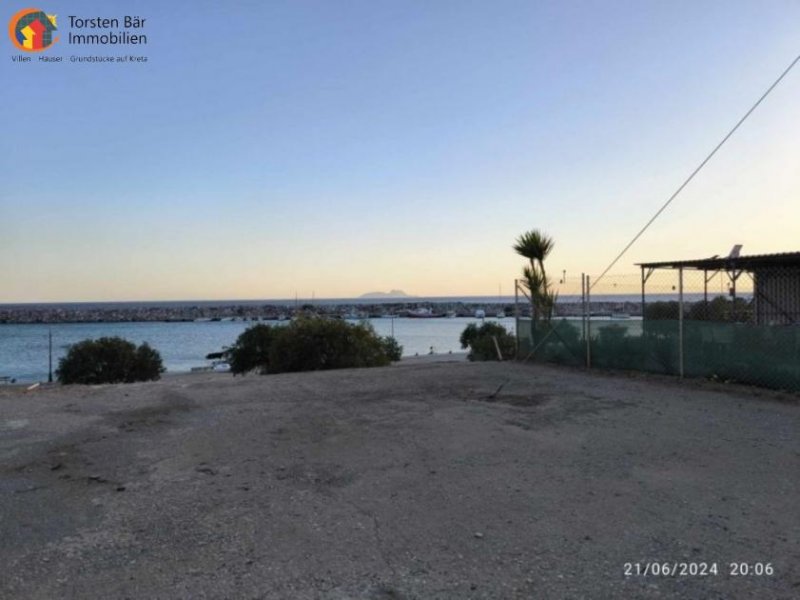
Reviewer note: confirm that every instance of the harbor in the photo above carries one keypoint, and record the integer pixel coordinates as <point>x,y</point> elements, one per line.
<point>278,310</point>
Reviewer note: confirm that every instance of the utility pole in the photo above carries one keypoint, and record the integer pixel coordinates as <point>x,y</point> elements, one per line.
<point>50,356</point>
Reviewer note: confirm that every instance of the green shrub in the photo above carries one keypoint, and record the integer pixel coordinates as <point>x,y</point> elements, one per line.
<point>480,341</point>
<point>614,348</point>
<point>722,309</point>
<point>392,348</point>
<point>251,350</point>
<point>564,343</point>
<point>661,311</point>
<point>109,360</point>
<point>312,344</point>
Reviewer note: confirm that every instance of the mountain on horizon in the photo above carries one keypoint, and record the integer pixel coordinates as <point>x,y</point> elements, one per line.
<point>391,294</point>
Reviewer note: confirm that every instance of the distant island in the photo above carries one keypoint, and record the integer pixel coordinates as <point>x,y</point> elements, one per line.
<point>392,294</point>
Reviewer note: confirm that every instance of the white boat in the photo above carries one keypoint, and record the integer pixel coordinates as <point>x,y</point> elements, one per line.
<point>480,314</point>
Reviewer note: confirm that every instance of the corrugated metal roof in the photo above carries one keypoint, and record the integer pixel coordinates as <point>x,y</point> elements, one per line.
<point>747,263</point>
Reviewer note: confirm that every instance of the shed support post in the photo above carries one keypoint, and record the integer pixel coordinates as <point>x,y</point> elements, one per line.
<point>583,306</point>
<point>643,284</point>
<point>588,319</point>
<point>680,322</point>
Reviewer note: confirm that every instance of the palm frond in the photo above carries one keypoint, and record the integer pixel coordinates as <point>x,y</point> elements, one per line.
<point>534,245</point>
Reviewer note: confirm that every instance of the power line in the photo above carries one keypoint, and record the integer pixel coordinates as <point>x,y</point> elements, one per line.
<point>696,171</point>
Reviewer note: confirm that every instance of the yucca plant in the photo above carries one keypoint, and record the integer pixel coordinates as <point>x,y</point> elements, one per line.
<point>536,246</point>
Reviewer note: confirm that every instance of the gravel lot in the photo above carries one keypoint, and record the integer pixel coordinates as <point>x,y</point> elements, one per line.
<point>420,480</point>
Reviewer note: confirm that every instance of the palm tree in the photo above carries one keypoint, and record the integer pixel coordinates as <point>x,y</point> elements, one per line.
<point>536,247</point>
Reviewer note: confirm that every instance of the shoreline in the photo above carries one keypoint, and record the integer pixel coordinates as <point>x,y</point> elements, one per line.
<point>171,376</point>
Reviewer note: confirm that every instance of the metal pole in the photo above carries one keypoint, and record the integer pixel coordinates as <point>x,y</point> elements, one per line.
<point>588,323</point>
<point>643,284</point>
<point>50,355</point>
<point>680,322</point>
<point>583,306</point>
<point>516,316</point>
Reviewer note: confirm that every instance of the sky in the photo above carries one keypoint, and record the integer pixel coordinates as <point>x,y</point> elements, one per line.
<point>278,148</point>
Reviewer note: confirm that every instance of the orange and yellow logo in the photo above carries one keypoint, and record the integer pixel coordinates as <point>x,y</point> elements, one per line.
<point>32,30</point>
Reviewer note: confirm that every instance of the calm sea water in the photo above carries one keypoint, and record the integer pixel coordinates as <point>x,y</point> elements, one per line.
<point>24,348</point>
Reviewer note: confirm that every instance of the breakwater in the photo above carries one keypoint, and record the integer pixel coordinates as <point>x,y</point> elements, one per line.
<point>275,311</point>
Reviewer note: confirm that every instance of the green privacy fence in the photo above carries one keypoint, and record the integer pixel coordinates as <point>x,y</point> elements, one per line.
<point>731,319</point>
<point>763,355</point>
<point>561,341</point>
<point>766,355</point>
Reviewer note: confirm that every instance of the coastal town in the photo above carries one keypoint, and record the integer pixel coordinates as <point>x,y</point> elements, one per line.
<point>255,311</point>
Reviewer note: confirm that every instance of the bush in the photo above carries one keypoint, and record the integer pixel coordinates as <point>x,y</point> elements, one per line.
<point>722,309</point>
<point>393,350</point>
<point>109,360</point>
<point>316,344</point>
<point>251,350</point>
<point>613,348</point>
<point>311,344</point>
<point>564,345</point>
<point>661,311</point>
<point>480,341</point>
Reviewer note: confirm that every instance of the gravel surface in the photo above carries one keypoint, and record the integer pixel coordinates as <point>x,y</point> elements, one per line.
<point>421,480</point>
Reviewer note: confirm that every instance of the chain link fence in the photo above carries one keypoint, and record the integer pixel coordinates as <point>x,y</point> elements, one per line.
<point>739,325</point>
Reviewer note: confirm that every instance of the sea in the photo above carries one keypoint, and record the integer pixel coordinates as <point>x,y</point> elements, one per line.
<point>24,349</point>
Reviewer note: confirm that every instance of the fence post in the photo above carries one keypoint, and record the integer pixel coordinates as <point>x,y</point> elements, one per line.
<point>587,315</point>
<point>583,305</point>
<point>50,355</point>
<point>680,322</point>
<point>516,317</point>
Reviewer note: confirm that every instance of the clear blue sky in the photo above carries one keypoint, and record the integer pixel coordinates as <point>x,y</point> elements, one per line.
<point>340,147</point>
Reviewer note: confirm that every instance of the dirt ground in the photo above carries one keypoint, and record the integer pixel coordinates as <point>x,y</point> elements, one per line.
<point>420,480</point>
